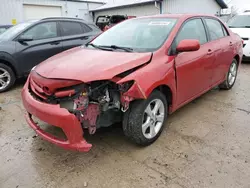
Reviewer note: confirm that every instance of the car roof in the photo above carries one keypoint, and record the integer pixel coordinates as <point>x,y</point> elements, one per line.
<point>183,16</point>
<point>5,25</point>
<point>63,18</point>
<point>57,19</point>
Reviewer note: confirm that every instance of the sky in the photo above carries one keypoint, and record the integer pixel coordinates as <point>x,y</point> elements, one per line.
<point>241,5</point>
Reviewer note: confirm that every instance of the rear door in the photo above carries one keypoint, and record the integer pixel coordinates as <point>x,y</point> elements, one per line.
<point>193,69</point>
<point>223,47</point>
<point>46,43</point>
<point>75,34</point>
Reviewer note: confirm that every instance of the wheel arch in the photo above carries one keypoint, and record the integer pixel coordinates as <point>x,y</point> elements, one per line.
<point>9,60</point>
<point>166,90</point>
<point>237,57</point>
<point>7,63</point>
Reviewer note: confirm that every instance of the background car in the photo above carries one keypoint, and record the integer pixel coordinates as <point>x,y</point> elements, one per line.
<point>105,22</point>
<point>240,24</point>
<point>25,45</point>
<point>3,28</point>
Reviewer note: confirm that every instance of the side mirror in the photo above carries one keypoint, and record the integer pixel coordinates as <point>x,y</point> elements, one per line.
<point>188,45</point>
<point>24,38</point>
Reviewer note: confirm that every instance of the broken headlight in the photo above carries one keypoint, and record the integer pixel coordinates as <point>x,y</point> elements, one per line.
<point>124,87</point>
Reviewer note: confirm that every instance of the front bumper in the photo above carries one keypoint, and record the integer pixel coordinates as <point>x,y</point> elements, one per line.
<point>246,51</point>
<point>55,116</point>
<point>246,58</point>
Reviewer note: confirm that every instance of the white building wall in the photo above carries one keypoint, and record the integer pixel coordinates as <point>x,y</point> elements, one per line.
<point>13,9</point>
<point>10,9</point>
<point>190,6</point>
<point>140,10</point>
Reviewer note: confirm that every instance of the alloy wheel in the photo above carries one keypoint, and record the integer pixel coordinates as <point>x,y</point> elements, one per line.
<point>232,73</point>
<point>153,118</point>
<point>4,78</point>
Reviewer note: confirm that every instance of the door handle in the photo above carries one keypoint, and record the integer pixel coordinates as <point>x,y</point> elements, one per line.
<point>230,44</point>
<point>209,52</point>
<point>55,43</point>
<point>85,37</point>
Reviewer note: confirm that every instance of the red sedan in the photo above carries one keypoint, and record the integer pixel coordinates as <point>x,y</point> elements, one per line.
<point>138,72</point>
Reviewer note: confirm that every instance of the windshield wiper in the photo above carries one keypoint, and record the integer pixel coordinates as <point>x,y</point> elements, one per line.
<point>127,49</point>
<point>96,46</point>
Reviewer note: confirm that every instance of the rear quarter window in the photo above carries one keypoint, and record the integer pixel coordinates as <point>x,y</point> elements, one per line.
<point>225,31</point>
<point>71,28</point>
<point>215,29</point>
<point>86,28</point>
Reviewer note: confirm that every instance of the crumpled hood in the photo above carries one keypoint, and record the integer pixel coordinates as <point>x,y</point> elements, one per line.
<point>90,65</point>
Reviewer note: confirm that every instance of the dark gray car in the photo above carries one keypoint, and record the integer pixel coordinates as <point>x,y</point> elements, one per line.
<point>27,44</point>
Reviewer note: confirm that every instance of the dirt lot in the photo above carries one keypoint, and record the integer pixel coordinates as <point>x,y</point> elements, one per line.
<point>207,145</point>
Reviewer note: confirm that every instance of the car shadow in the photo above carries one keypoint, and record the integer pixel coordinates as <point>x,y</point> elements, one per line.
<point>110,138</point>
<point>246,62</point>
<point>18,84</point>
<point>106,142</point>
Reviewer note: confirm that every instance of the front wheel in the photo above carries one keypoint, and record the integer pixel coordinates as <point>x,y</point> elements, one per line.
<point>231,76</point>
<point>7,77</point>
<point>144,121</point>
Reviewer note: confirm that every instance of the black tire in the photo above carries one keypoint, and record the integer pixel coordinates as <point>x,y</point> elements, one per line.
<point>12,77</point>
<point>133,119</point>
<point>226,85</point>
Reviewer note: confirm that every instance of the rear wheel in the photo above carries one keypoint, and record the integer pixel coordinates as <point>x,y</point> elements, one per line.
<point>7,77</point>
<point>231,76</point>
<point>144,121</point>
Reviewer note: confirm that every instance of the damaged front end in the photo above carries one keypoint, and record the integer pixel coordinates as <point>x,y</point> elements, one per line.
<point>95,104</point>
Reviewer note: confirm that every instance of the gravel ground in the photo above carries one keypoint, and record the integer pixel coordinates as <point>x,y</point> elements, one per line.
<point>207,144</point>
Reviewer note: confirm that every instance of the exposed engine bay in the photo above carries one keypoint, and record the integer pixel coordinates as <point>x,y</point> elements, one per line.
<point>98,104</point>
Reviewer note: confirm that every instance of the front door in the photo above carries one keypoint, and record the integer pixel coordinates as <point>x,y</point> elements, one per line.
<point>46,43</point>
<point>193,69</point>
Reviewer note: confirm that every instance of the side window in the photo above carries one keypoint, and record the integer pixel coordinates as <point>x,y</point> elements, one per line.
<point>42,31</point>
<point>86,28</point>
<point>215,29</point>
<point>71,28</point>
<point>225,31</point>
<point>193,29</point>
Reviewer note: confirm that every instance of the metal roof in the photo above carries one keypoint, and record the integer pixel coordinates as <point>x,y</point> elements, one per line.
<point>86,1</point>
<point>137,2</point>
<point>122,4</point>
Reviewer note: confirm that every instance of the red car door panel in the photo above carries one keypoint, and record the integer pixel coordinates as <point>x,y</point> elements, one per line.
<point>223,44</point>
<point>193,69</point>
<point>223,60</point>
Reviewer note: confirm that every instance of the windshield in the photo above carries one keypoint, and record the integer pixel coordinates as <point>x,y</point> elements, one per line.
<point>2,30</point>
<point>141,35</point>
<point>240,21</point>
<point>11,32</point>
